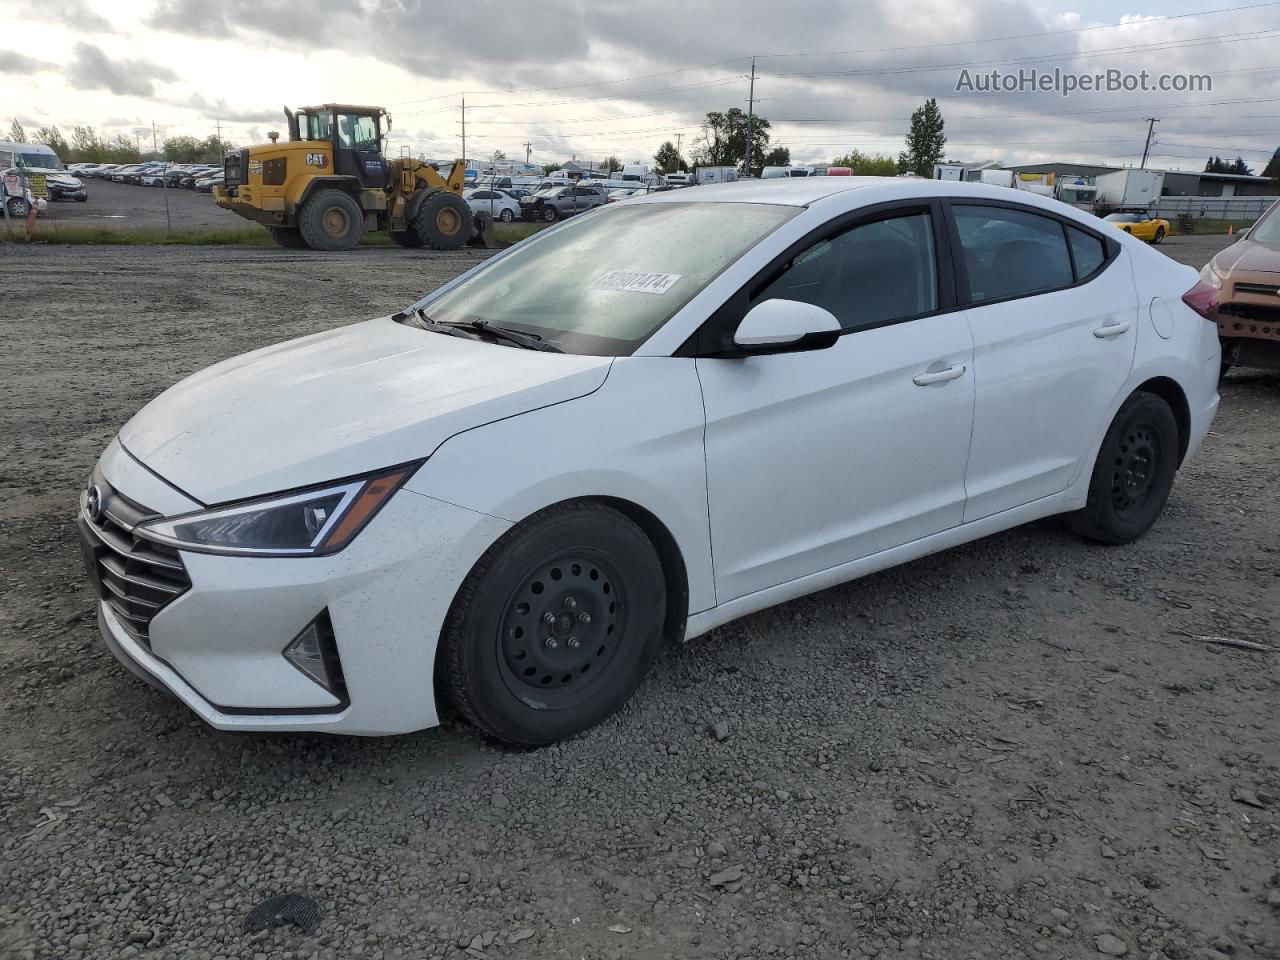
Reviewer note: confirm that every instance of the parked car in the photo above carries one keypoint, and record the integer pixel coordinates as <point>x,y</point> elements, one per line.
<point>189,182</point>
<point>551,205</point>
<point>120,173</point>
<point>1141,225</point>
<point>206,184</point>
<point>514,489</point>
<point>1243,291</point>
<point>495,203</point>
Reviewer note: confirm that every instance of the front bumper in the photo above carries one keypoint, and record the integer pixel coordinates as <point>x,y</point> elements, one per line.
<point>219,646</point>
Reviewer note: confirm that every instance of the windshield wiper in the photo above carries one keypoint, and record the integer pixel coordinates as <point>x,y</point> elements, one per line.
<point>486,328</point>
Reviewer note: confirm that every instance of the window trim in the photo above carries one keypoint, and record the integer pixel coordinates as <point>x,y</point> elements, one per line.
<point>964,295</point>
<point>714,337</point>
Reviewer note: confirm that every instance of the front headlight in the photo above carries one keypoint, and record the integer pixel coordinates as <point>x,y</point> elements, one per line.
<point>312,522</point>
<point>1211,277</point>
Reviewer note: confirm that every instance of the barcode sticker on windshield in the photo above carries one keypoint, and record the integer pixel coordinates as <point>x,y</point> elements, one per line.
<point>634,281</point>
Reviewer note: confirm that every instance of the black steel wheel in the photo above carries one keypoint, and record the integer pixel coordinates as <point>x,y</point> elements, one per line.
<point>556,625</point>
<point>1134,472</point>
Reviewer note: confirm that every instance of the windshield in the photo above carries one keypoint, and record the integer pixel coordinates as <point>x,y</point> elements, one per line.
<point>602,283</point>
<point>42,161</point>
<point>1120,218</point>
<point>1267,229</point>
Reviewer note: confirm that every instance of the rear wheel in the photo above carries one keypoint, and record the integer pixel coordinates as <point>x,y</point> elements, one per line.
<point>1159,235</point>
<point>443,221</point>
<point>1133,473</point>
<point>18,207</point>
<point>555,626</point>
<point>549,214</point>
<point>506,216</point>
<point>406,238</point>
<point>331,220</point>
<point>287,237</point>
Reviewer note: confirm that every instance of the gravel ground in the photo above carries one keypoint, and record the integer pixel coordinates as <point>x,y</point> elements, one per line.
<point>1013,749</point>
<point>123,205</point>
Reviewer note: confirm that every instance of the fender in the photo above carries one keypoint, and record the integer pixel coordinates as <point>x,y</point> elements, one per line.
<point>416,201</point>
<point>347,184</point>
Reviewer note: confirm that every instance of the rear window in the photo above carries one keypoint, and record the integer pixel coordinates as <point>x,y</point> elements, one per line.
<point>1087,251</point>
<point>1011,253</point>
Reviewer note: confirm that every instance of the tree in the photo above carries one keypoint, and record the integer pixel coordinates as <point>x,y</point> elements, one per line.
<point>1239,166</point>
<point>497,157</point>
<point>723,141</point>
<point>926,143</point>
<point>778,157</point>
<point>1272,169</point>
<point>868,165</point>
<point>181,149</point>
<point>549,168</point>
<point>610,164</point>
<point>668,159</point>
<point>1215,165</point>
<point>16,132</point>
<point>52,138</point>
<point>212,150</point>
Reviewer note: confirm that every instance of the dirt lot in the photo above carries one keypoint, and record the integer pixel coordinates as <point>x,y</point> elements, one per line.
<point>1013,749</point>
<point>121,205</point>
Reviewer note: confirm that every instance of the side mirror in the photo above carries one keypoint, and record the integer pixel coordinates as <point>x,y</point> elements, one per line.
<point>785,326</point>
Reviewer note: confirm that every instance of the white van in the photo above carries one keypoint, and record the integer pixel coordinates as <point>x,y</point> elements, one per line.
<point>37,158</point>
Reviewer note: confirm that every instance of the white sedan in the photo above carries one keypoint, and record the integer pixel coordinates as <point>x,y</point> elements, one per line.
<point>513,490</point>
<point>495,203</point>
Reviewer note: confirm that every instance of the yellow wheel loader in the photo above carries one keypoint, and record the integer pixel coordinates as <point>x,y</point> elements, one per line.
<point>331,183</point>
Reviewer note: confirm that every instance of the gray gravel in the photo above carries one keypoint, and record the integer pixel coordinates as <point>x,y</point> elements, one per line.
<point>1012,749</point>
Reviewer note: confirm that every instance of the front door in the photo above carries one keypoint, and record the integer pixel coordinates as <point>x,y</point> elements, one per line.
<point>1054,315</point>
<point>815,459</point>
<point>358,150</point>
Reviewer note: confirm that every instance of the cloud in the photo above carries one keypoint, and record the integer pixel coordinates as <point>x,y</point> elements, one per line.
<point>91,69</point>
<point>77,15</point>
<point>13,62</point>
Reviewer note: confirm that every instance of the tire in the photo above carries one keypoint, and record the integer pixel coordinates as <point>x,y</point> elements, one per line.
<point>506,216</point>
<point>1133,474</point>
<point>443,221</point>
<point>1230,356</point>
<point>287,237</point>
<point>572,561</point>
<point>18,207</point>
<point>1159,235</point>
<point>331,220</point>
<point>549,214</point>
<point>406,238</point>
<point>1129,230</point>
<point>82,198</point>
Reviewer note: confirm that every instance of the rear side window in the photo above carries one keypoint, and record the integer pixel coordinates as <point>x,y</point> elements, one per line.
<point>1087,251</point>
<point>1010,253</point>
<point>866,276</point>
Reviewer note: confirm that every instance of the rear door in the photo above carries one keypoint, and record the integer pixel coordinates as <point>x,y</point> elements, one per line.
<point>1054,312</point>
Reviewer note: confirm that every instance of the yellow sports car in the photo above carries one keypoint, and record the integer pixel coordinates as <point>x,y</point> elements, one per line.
<point>1140,225</point>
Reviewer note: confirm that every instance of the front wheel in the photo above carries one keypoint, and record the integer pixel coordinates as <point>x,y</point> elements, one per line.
<point>1133,474</point>
<point>549,214</point>
<point>506,216</point>
<point>1159,235</point>
<point>555,626</point>
<point>18,207</point>
<point>443,221</point>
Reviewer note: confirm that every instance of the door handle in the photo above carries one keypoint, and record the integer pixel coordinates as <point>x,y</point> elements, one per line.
<point>1108,330</point>
<point>938,376</point>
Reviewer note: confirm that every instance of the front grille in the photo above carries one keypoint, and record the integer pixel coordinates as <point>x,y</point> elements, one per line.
<point>1260,289</point>
<point>136,577</point>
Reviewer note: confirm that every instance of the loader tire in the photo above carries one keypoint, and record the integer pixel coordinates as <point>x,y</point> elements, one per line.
<point>331,220</point>
<point>287,237</point>
<point>443,222</point>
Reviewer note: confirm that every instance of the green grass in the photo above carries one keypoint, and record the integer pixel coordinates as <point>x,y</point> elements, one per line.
<point>251,235</point>
<point>1206,226</point>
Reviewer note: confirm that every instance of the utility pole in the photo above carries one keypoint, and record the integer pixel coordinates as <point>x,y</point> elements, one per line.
<point>222,153</point>
<point>1151,126</point>
<point>679,137</point>
<point>751,107</point>
<point>464,133</point>
<point>155,144</point>
<point>528,150</point>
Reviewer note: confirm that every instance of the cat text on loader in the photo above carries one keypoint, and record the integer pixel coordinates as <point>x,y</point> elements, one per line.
<point>332,182</point>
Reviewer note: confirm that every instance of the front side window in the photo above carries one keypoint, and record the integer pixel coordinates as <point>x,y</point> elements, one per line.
<point>319,126</point>
<point>1011,253</point>
<point>603,282</point>
<point>1267,230</point>
<point>866,276</point>
<point>42,161</point>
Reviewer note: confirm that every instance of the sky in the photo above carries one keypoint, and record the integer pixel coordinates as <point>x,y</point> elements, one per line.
<point>575,79</point>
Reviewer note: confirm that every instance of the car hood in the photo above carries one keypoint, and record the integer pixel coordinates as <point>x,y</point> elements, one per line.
<point>340,403</point>
<point>1248,255</point>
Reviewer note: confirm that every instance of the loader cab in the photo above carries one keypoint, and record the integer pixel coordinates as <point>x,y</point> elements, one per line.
<point>356,134</point>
